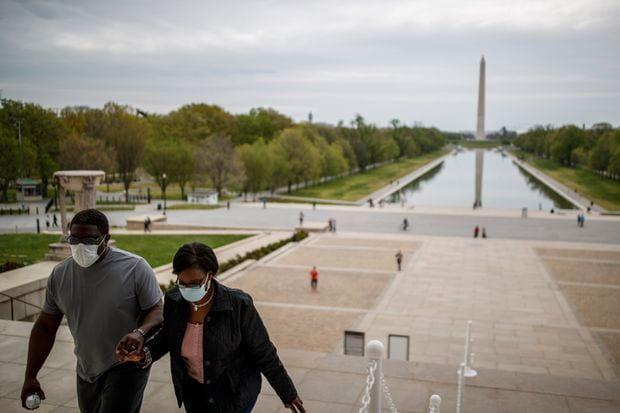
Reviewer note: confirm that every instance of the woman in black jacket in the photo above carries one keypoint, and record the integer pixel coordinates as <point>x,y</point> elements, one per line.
<point>217,341</point>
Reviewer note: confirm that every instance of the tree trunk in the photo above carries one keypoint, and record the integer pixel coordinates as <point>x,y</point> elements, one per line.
<point>126,192</point>
<point>44,182</point>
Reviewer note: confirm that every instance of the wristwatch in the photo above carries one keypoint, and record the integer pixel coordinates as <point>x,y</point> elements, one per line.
<point>148,359</point>
<point>139,330</point>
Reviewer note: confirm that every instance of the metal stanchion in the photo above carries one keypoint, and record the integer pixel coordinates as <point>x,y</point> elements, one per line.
<point>434,404</point>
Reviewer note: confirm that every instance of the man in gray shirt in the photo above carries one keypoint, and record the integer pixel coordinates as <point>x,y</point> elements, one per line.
<point>111,300</point>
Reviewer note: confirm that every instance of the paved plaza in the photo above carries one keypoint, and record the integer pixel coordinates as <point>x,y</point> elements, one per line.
<point>544,314</point>
<point>523,319</point>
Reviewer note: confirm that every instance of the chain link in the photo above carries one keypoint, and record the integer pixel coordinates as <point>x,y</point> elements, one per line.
<point>370,380</point>
<point>388,395</point>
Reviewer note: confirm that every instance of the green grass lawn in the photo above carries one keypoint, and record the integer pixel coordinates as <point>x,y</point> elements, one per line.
<point>156,249</point>
<point>24,248</point>
<point>602,191</point>
<point>355,187</point>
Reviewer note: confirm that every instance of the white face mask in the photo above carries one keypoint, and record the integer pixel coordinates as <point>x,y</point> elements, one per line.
<point>195,294</point>
<point>85,255</point>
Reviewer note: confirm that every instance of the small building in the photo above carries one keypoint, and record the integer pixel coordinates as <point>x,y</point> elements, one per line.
<point>28,189</point>
<point>203,197</point>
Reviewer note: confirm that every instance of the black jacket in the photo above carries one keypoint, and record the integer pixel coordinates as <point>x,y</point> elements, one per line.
<point>236,350</point>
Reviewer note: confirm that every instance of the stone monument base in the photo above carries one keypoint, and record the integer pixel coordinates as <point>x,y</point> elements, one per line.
<point>58,251</point>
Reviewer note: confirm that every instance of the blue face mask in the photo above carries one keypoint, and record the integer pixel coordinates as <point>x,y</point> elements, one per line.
<point>195,294</point>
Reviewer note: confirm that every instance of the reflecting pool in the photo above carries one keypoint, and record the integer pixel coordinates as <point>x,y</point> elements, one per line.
<point>504,185</point>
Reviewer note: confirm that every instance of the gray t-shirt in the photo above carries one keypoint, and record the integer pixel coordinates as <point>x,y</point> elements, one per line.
<point>102,303</point>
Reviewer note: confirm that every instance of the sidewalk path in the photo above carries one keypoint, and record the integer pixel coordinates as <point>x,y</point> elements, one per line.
<point>563,190</point>
<point>404,181</point>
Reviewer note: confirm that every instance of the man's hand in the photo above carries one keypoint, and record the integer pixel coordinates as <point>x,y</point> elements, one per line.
<point>296,405</point>
<point>31,386</point>
<point>130,347</point>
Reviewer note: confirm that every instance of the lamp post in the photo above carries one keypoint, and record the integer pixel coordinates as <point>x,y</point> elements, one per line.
<point>164,177</point>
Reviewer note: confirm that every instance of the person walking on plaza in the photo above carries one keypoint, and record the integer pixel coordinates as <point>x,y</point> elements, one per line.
<point>314,278</point>
<point>111,301</point>
<point>581,217</point>
<point>476,231</point>
<point>484,232</point>
<point>54,221</point>
<point>301,219</point>
<point>399,259</point>
<point>405,224</point>
<point>217,342</point>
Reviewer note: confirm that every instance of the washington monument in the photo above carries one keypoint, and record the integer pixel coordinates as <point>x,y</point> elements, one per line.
<point>480,136</point>
<point>481,91</point>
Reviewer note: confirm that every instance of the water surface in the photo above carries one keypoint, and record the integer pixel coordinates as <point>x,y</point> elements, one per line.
<point>504,185</point>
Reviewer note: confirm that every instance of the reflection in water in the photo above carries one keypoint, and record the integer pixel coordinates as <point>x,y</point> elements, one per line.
<point>415,185</point>
<point>504,185</point>
<point>535,185</point>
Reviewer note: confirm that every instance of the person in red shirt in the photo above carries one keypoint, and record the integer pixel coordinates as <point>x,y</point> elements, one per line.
<point>314,278</point>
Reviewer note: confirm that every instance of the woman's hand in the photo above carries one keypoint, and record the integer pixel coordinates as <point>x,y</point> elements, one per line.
<point>296,405</point>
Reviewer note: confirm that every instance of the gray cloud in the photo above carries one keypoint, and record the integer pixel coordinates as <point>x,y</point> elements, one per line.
<point>547,61</point>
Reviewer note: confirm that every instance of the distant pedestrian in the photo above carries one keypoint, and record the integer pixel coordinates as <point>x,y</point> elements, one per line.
<point>314,278</point>
<point>301,219</point>
<point>552,211</point>
<point>148,224</point>
<point>476,231</point>
<point>47,223</point>
<point>227,204</point>
<point>399,259</point>
<point>405,224</point>
<point>55,221</point>
<point>581,219</point>
<point>334,224</point>
<point>314,206</point>
<point>371,203</point>
<point>264,203</point>
<point>484,232</point>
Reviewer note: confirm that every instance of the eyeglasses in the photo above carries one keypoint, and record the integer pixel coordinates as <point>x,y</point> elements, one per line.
<point>194,286</point>
<point>86,241</point>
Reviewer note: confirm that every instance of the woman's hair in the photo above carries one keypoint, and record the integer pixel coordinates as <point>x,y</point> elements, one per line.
<point>195,255</point>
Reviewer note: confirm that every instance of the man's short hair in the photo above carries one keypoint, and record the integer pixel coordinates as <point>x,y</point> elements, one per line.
<point>92,217</point>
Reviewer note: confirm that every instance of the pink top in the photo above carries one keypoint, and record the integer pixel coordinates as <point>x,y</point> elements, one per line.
<point>191,351</point>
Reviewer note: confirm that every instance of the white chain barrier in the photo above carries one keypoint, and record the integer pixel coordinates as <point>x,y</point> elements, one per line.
<point>388,395</point>
<point>370,381</point>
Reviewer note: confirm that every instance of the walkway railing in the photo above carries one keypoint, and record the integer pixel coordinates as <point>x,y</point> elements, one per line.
<point>19,300</point>
<point>376,386</point>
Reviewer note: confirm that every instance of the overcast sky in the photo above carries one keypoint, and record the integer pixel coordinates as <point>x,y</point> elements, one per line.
<point>555,61</point>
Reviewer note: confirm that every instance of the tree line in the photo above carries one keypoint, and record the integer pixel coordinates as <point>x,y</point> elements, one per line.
<point>196,145</point>
<point>597,148</point>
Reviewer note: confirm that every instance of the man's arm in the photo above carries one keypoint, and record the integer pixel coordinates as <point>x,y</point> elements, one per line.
<point>132,343</point>
<point>42,339</point>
